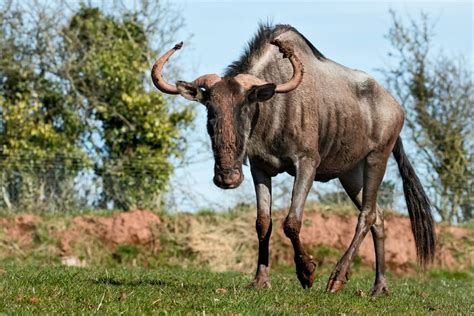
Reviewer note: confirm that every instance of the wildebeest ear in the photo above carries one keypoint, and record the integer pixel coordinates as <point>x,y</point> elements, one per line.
<point>189,91</point>
<point>261,93</point>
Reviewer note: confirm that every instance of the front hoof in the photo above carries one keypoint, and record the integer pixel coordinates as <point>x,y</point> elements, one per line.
<point>259,284</point>
<point>305,267</point>
<point>335,286</point>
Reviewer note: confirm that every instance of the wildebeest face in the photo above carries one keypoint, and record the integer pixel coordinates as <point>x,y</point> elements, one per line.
<point>228,123</point>
<point>228,101</point>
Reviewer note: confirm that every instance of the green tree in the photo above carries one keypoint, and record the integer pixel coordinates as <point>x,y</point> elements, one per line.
<point>438,94</point>
<point>39,124</point>
<point>75,96</point>
<point>109,66</point>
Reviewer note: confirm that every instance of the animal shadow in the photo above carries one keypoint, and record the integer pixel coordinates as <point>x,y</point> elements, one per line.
<point>121,282</point>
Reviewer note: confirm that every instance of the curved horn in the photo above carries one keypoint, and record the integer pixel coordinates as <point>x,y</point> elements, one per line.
<point>298,68</point>
<point>157,75</point>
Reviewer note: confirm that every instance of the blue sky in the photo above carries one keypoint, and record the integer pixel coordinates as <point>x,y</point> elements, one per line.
<point>348,32</point>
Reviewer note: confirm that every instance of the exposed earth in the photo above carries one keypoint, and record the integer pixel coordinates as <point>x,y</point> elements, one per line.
<point>223,242</point>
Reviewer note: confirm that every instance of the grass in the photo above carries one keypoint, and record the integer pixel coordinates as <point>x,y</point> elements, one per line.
<point>177,278</point>
<point>34,289</point>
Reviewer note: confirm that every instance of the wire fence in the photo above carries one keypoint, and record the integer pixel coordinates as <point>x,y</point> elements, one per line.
<point>70,184</point>
<point>67,183</point>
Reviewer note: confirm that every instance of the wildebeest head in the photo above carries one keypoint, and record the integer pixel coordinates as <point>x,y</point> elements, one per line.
<point>227,100</point>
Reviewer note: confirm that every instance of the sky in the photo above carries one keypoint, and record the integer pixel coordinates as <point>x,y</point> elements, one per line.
<point>348,32</point>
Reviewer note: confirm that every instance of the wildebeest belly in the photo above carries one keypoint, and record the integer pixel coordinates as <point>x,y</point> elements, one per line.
<point>328,171</point>
<point>325,177</point>
<point>338,163</point>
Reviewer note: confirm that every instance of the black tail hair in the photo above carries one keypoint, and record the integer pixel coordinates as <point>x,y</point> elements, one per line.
<point>419,207</point>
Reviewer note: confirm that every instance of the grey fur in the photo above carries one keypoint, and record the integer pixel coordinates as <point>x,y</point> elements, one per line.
<point>338,123</point>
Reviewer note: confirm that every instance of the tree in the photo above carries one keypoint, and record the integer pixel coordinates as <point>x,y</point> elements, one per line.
<point>109,63</point>
<point>438,94</point>
<point>75,98</point>
<point>39,124</point>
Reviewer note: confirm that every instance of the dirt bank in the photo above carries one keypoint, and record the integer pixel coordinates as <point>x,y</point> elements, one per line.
<point>134,227</point>
<point>220,241</point>
<point>335,231</point>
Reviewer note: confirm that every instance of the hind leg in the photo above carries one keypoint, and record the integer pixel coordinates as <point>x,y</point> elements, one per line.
<point>378,235</point>
<point>370,173</point>
<point>352,183</point>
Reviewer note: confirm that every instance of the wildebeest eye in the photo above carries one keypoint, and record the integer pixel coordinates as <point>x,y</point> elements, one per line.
<point>205,96</point>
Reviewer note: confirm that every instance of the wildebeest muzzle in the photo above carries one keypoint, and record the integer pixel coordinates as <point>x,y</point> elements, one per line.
<point>229,178</point>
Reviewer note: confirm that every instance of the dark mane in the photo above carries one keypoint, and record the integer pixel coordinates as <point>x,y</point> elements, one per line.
<point>255,47</point>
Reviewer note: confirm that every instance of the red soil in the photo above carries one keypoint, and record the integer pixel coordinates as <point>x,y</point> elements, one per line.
<point>133,227</point>
<point>320,229</point>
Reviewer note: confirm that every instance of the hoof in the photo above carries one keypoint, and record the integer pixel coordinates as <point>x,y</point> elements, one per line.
<point>305,267</point>
<point>335,286</point>
<point>379,289</point>
<point>259,284</point>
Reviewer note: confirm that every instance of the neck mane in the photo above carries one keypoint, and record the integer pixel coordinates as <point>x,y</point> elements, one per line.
<point>258,45</point>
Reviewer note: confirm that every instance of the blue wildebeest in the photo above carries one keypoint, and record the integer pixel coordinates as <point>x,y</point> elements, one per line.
<point>325,121</point>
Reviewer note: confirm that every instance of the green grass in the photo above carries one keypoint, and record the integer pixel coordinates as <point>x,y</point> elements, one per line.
<point>34,289</point>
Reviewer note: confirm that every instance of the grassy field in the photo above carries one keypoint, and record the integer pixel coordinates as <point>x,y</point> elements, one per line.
<point>56,289</point>
<point>175,277</point>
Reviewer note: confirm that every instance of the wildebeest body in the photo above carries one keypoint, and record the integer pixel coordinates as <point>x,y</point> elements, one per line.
<point>333,108</point>
<point>328,122</point>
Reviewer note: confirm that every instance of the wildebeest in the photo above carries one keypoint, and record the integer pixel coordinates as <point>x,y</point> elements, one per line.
<point>317,120</point>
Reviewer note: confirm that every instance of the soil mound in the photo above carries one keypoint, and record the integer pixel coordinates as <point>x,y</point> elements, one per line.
<point>21,228</point>
<point>134,227</point>
<point>222,242</point>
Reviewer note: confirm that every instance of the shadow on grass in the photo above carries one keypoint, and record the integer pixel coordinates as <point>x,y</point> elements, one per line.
<point>147,281</point>
<point>120,282</point>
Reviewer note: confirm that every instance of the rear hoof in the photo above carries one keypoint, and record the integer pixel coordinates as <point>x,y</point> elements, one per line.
<point>379,289</point>
<point>259,284</point>
<point>305,267</point>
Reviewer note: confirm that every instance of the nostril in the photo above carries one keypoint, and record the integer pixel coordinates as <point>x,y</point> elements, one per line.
<point>217,178</point>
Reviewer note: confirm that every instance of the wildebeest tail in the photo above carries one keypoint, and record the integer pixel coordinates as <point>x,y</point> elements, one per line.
<point>419,207</point>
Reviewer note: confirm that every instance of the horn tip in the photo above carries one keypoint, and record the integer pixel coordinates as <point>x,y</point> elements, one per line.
<point>178,45</point>
<point>284,47</point>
